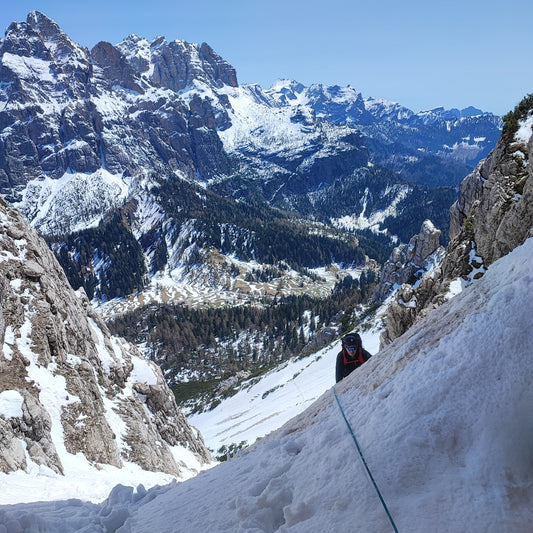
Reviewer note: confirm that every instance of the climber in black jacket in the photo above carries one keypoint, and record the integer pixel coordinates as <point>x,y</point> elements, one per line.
<point>351,356</point>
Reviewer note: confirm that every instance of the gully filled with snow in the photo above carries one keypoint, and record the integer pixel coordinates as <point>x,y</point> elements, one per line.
<point>442,415</point>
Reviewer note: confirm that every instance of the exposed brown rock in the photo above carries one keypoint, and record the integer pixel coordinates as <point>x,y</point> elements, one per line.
<point>493,215</point>
<point>59,356</point>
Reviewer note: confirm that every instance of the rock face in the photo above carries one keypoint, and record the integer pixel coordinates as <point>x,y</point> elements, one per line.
<point>409,261</point>
<point>72,387</point>
<point>70,110</point>
<point>496,199</point>
<point>493,215</point>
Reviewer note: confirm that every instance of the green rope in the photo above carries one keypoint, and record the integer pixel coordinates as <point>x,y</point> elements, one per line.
<point>364,462</point>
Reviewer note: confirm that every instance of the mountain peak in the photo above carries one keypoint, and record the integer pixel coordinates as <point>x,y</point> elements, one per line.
<point>40,37</point>
<point>286,91</point>
<point>50,31</point>
<point>286,83</point>
<point>450,114</point>
<point>40,22</point>
<point>177,64</point>
<point>471,111</point>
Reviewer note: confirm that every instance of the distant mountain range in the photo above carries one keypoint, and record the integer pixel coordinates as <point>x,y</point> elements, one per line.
<point>157,178</point>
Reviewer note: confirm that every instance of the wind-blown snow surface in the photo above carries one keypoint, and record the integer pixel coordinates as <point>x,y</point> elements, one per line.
<point>442,415</point>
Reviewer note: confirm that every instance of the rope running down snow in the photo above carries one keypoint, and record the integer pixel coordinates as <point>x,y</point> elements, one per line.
<point>364,462</point>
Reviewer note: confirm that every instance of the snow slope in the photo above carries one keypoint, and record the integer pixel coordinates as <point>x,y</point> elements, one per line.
<point>442,415</point>
<point>263,406</point>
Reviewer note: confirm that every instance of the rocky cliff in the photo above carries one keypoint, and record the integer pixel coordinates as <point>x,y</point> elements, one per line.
<point>70,386</point>
<point>408,262</point>
<point>493,215</point>
<point>70,110</point>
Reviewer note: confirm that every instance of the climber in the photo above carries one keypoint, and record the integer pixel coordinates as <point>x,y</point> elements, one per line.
<point>351,356</point>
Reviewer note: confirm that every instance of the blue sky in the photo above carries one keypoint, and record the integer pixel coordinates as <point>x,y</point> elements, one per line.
<point>421,54</point>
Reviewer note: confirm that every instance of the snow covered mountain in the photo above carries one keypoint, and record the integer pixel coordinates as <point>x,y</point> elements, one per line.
<point>108,153</point>
<point>152,143</point>
<point>401,139</point>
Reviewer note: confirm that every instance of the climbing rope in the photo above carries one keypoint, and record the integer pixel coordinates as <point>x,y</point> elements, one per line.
<point>364,462</point>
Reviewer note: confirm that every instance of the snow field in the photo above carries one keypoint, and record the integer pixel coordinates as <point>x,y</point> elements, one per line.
<point>443,418</point>
<point>440,416</point>
<point>260,408</point>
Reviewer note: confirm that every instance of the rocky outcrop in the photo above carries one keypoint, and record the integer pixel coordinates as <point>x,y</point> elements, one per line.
<point>408,262</point>
<point>74,387</point>
<point>495,206</point>
<point>177,64</point>
<point>493,215</point>
<point>115,67</point>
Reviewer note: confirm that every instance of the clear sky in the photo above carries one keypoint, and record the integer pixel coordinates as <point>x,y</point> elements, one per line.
<point>419,53</point>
